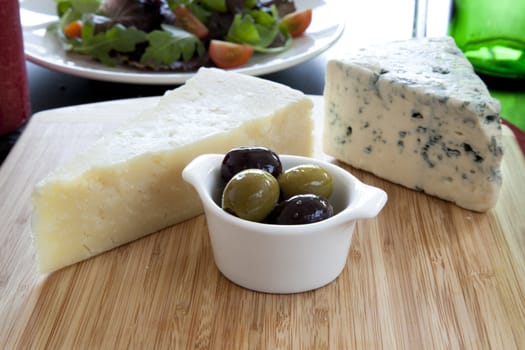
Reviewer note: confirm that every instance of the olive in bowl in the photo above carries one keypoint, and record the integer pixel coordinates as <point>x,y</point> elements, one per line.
<point>283,258</point>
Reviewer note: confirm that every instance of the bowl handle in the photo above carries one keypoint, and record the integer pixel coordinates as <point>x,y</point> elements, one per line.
<point>197,171</point>
<point>371,201</point>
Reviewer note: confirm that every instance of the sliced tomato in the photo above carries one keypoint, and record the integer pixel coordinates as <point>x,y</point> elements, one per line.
<point>297,22</point>
<point>229,55</point>
<point>187,21</point>
<point>73,30</point>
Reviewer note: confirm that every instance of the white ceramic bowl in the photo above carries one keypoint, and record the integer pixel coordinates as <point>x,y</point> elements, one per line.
<point>283,258</point>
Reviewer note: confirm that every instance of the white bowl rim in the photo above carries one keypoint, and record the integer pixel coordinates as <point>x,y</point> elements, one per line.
<point>345,215</point>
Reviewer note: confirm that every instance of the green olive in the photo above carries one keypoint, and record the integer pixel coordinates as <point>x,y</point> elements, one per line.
<point>251,194</point>
<point>306,179</point>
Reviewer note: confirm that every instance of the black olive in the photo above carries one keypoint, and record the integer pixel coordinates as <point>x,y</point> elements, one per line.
<point>243,158</point>
<point>301,209</point>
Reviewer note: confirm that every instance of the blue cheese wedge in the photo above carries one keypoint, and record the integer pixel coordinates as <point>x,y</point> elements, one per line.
<point>415,113</point>
<point>129,183</point>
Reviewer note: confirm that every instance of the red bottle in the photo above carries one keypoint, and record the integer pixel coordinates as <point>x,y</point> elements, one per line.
<point>15,106</point>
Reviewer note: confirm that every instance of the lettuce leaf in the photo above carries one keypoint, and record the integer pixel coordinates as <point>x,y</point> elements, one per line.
<point>215,5</point>
<point>80,6</point>
<point>100,46</point>
<point>171,44</point>
<point>258,29</point>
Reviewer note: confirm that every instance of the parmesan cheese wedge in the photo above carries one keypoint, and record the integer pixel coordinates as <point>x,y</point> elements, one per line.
<point>129,184</point>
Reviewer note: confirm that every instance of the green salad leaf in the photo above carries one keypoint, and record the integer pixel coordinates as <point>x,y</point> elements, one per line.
<point>80,6</point>
<point>171,44</point>
<point>258,29</point>
<point>215,5</point>
<point>63,6</point>
<point>244,30</point>
<point>118,38</point>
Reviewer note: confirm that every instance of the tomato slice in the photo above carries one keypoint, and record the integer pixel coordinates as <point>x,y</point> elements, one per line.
<point>297,22</point>
<point>229,55</point>
<point>187,21</point>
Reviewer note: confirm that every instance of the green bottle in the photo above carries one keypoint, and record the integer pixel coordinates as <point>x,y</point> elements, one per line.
<point>491,33</point>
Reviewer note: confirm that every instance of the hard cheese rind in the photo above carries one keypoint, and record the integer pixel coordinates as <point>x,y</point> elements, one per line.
<point>129,183</point>
<point>415,113</point>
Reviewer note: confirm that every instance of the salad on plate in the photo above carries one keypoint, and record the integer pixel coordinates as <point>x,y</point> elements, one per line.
<point>177,35</point>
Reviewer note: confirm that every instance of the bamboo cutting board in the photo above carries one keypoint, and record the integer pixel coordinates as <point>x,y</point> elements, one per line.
<point>423,274</point>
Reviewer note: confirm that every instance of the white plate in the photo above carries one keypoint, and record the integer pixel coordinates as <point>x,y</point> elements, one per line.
<point>45,50</point>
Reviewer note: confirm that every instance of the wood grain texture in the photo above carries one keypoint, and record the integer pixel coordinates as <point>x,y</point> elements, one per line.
<point>424,274</point>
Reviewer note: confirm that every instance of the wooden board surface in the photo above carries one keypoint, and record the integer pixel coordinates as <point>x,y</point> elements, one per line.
<point>424,274</point>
